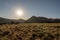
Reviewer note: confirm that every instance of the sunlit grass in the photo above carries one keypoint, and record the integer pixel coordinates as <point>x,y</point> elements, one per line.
<point>30,31</point>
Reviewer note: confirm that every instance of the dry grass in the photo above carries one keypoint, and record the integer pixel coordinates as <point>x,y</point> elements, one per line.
<point>30,31</point>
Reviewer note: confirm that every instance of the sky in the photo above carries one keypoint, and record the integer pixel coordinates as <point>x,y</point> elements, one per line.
<point>44,8</point>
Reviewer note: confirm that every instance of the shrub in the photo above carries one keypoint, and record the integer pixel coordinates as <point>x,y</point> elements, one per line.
<point>5,33</point>
<point>49,37</point>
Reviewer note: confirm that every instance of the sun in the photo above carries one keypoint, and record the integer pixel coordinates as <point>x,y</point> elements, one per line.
<point>19,12</point>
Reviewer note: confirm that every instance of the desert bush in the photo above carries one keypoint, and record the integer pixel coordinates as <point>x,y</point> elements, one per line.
<point>19,37</point>
<point>17,29</point>
<point>15,38</point>
<point>5,33</point>
<point>34,35</point>
<point>41,35</point>
<point>49,37</point>
<point>31,38</point>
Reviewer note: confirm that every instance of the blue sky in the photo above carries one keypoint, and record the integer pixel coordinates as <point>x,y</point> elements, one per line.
<point>45,8</point>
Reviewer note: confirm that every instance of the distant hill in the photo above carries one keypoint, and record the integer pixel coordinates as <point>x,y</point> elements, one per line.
<point>35,19</point>
<point>10,21</point>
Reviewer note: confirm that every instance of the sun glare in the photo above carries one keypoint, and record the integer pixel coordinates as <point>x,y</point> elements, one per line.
<point>19,12</point>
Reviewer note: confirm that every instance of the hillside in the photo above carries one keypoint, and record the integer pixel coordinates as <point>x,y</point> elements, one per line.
<point>35,19</point>
<point>10,21</point>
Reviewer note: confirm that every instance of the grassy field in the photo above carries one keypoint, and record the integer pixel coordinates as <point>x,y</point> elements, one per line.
<point>30,31</point>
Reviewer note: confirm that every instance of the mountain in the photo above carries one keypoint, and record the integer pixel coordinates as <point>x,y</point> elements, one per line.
<point>35,19</point>
<point>3,20</point>
<point>10,21</point>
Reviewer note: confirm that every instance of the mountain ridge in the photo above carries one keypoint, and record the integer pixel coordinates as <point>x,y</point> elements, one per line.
<point>39,19</point>
<point>32,19</point>
<point>10,21</point>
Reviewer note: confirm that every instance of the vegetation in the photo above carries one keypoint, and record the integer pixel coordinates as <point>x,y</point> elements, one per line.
<point>30,31</point>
